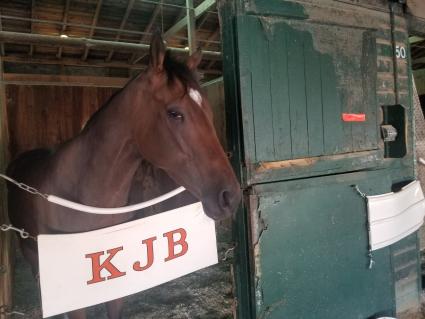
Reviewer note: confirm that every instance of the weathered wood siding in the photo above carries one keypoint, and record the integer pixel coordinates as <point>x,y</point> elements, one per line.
<point>44,116</point>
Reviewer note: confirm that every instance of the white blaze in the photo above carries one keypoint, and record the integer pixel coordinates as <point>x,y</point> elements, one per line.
<point>196,96</point>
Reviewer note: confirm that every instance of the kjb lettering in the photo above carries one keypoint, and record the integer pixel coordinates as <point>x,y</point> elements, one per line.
<point>97,266</point>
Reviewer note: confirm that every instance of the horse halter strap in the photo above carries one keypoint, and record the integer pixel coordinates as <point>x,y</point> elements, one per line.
<point>94,210</point>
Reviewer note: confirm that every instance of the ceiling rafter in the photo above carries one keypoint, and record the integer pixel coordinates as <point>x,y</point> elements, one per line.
<point>123,22</point>
<point>92,29</point>
<point>63,28</point>
<point>31,51</point>
<point>198,11</point>
<point>134,58</point>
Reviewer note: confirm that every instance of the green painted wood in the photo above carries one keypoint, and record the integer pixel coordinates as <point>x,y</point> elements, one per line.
<point>280,96</point>
<point>368,67</point>
<point>313,94</point>
<point>332,124</point>
<point>242,271</point>
<point>311,255</point>
<point>245,79</point>
<point>261,95</point>
<point>286,76</point>
<point>297,93</point>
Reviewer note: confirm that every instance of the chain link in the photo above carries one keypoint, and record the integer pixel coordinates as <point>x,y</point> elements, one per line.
<point>25,187</point>
<point>5,310</point>
<point>24,234</point>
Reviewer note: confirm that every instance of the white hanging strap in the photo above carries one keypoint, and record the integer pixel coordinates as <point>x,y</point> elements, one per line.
<point>94,210</point>
<point>118,210</point>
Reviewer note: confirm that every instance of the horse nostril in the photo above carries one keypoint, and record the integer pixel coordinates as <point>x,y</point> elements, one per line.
<point>224,199</point>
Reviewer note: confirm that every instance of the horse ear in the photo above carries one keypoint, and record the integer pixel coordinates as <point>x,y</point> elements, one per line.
<point>157,52</point>
<point>194,60</point>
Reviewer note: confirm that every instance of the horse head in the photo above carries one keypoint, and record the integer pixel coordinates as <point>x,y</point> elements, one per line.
<point>175,132</point>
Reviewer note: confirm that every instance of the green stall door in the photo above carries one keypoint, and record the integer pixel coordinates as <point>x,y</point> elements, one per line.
<point>310,244</point>
<point>297,81</point>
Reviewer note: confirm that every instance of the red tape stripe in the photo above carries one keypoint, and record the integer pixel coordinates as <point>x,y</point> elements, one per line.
<point>352,117</point>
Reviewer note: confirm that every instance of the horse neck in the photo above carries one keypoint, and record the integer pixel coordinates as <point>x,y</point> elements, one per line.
<point>107,157</point>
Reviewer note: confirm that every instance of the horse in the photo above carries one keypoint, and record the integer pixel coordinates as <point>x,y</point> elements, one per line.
<point>160,120</point>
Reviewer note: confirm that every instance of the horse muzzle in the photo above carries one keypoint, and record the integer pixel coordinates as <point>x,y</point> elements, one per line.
<point>223,205</point>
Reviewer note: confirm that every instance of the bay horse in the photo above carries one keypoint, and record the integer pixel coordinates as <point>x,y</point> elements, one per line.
<point>162,118</point>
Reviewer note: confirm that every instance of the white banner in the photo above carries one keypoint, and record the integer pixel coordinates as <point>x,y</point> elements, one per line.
<point>80,270</point>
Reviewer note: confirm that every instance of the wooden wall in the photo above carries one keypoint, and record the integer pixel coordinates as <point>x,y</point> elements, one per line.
<point>43,116</point>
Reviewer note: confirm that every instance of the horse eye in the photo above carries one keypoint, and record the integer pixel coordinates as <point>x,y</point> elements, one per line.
<point>175,115</point>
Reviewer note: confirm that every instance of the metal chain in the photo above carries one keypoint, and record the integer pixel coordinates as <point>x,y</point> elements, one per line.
<point>24,234</point>
<point>25,187</point>
<point>5,310</point>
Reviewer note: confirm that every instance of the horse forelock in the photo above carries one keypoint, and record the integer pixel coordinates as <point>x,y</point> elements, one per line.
<point>176,69</point>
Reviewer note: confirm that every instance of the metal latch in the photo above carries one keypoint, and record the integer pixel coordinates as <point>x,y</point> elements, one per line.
<point>389,133</point>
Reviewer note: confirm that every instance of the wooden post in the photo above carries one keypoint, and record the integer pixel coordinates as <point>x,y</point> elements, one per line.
<point>6,252</point>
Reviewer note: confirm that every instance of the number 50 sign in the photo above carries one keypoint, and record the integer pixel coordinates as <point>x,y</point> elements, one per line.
<point>80,270</point>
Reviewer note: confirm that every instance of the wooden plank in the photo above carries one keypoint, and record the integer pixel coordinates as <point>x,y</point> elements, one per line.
<point>63,80</point>
<point>246,89</point>
<point>314,98</point>
<point>332,123</point>
<point>44,116</point>
<point>280,94</point>
<point>261,99</point>
<point>297,93</point>
<point>369,72</point>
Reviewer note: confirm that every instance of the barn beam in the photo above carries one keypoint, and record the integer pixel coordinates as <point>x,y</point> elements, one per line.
<point>198,11</point>
<point>134,58</point>
<point>63,28</point>
<point>28,38</point>
<point>92,29</point>
<point>99,63</point>
<point>64,80</point>
<point>123,22</point>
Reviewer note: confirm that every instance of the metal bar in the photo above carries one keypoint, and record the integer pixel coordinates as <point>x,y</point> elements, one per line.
<point>191,21</point>
<point>199,10</point>
<point>83,26</point>
<point>63,28</point>
<point>123,22</point>
<point>92,29</point>
<point>29,38</point>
